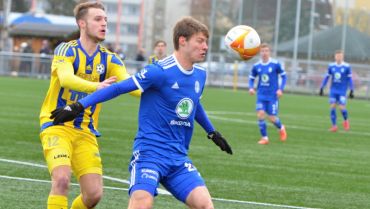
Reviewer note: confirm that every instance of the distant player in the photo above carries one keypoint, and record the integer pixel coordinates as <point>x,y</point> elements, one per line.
<point>79,67</point>
<point>269,90</point>
<point>341,78</point>
<point>170,102</point>
<point>159,51</point>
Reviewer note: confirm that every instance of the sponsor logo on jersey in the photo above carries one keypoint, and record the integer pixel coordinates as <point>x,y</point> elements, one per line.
<point>100,69</point>
<point>180,123</point>
<point>175,86</point>
<point>184,108</point>
<point>197,87</point>
<point>265,80</point>
<point>337,76</point>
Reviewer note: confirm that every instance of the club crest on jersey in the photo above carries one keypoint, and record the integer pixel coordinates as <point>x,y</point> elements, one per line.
<point>342,70</point>
<point>270,69</point>
<point>100,69</point>
<point>197,87</point>
<point>184,108</point>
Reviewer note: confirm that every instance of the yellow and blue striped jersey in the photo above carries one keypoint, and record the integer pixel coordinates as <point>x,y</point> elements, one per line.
<point>75,74</point>
<point>152,59</point>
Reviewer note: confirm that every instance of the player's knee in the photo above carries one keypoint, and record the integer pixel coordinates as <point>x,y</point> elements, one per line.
<point>60,183</point>
<point>92,197</point>
<point>272,119</point>
<point>205,205</point>
<point>261,115</point>
<point>141,200</point>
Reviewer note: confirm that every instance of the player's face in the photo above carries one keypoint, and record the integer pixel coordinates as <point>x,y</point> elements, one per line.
<point>160,49</point>
<point>196,47</point>
<point>265,53</point>
<point>339,57</point>
<point>96,24</point>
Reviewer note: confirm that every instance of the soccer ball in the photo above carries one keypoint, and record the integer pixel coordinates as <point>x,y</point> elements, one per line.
<point>243,41</point>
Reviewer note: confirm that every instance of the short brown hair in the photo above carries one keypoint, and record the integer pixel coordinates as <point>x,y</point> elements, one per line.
<point>81,10</point>
<point>187,27</point>
<point>339,51</point>
<point>160,41</point>
<point>265,45</point>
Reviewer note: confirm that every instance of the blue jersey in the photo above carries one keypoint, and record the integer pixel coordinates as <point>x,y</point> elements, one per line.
<point>341,78</point>
<point>268,82</point>
<point>168,105</point>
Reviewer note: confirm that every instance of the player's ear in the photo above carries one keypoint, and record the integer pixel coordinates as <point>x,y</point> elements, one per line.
<point>182,41</point>
<point>81,23</point>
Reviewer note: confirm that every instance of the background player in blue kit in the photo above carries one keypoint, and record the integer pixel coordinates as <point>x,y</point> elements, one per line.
<point>269,90</point>
<point>341,78</point>
<point>171,91</point>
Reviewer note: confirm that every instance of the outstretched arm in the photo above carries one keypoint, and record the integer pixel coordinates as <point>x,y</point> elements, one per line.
<point>109,93</point>
<point>70,112</point>
<point>203,120</point>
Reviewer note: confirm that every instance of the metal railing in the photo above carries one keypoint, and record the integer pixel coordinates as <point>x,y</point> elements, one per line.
<point>306,77</point>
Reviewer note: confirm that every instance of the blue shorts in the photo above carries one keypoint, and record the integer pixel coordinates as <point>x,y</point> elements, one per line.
<point>179,177</point>
<point>270,107</point>
<point>337,99</point>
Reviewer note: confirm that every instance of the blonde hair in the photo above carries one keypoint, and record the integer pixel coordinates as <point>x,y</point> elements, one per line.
<point>81,10</point>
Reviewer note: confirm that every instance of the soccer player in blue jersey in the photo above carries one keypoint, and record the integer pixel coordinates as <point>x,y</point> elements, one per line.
<point>269,90</point>
<point>159,51</point>
<point>79,67</point>
<point>170,102</point>
<point>341,78</point>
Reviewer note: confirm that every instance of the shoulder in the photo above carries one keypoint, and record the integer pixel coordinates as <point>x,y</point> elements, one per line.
<point>114,57</point>
<point>166,62</point>
<point>346,64</point>
<point>66,48</point>
<point>331,64</point>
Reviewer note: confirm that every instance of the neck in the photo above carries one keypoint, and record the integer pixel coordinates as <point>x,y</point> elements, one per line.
<point>88,45</point>
<point>264,60</point>
<point>339,62</point>
<point>183,61</point>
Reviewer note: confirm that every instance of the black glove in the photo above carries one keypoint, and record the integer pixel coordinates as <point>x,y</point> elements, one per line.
<point>66,113</point>
<point>321,92</point>
<point>351,95</point>
<point>220,141</point>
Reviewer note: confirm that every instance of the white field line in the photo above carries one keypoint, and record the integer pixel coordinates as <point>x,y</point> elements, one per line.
<point>161,191</point>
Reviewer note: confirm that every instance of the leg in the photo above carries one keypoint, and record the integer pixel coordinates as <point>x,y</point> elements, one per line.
<point>262,127</point>
<point>199,198</point>
<point>60,178</point>
<point>91,191</point>
<point>141,199</point>
<point>87,167</point>
<point>333,117</point>
<point>276,121</point>
<point>57,152</point>
<point>343,109</point>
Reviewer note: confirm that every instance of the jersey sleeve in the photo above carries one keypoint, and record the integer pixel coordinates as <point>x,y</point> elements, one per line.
<point>151,76</point>
<point>62,65</point>
<point>252,77</point>
<point>117,68</point>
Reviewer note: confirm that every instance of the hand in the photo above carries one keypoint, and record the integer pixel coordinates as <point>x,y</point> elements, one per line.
<point>107,82</point>
<point>220,141</point>
<point>66,113</point>
<point>351,95</point>
<point>252,91</point>
<point>279,93</point>
<point>321,92</point>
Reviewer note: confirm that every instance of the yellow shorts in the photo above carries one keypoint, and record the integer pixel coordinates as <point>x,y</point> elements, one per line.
<point>67,146</point>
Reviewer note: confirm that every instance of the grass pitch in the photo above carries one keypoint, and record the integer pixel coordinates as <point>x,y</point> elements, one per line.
<point>314,168</point>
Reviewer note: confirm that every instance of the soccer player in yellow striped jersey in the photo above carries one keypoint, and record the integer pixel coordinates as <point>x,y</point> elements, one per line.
<point>159,51</point>
<point>79,67</point>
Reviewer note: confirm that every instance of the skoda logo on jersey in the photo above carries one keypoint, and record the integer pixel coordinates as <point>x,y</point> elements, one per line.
<point>184,108</point>
<point>265,78</point>
<point>197,87</point>
<point>337,76</point>
<point>100,69</point>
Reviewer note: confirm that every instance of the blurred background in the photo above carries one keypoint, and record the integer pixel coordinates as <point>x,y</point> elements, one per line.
<point>303,35</point>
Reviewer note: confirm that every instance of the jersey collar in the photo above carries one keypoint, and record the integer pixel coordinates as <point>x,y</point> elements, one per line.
<point>265,63</point>
<point>186,72</point>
